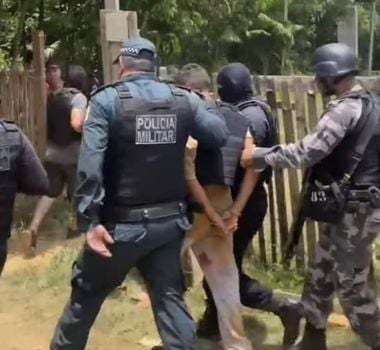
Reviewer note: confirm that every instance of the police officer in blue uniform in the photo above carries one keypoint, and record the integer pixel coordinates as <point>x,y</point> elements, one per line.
<point>20,171</point>
<point>131,196</point>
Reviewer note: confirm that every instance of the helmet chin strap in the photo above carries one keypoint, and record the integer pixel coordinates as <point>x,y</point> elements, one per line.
<point>328,86</point>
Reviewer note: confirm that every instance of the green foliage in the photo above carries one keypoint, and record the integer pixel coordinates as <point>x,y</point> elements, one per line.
<point>210,32</point>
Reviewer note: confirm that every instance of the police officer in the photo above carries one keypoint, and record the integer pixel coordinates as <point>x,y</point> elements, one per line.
<point>66,108</point>
<point>348,182</point>
<point>131,196</point>
<point>235,87</point>
<point>20,171</point>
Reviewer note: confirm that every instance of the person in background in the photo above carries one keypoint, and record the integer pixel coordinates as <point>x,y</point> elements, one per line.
<point>66,108</point>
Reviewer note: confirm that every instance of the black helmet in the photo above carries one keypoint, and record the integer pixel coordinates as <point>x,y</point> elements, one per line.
<point>335,60</point>
<point>234,83</point>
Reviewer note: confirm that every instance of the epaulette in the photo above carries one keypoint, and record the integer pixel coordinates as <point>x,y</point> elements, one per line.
<point>189,90</point>
<point>104,87</point>
<point>230,106</point>
<point>9,125</point>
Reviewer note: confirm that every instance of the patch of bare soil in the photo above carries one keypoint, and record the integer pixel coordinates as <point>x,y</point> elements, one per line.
<point>33,293</point>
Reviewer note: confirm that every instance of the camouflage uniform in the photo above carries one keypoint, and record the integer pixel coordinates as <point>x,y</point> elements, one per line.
<point>343,254</point>
<point>341,264</point>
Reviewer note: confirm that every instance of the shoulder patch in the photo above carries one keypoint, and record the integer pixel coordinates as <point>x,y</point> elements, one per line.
<point>104,87</point>
<point>9,125</point>
<point>181,87</point>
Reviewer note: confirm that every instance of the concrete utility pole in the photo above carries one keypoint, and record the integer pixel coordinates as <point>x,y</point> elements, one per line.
<point>372,36</point>
<point>348,29</point>
<point>112,5</point>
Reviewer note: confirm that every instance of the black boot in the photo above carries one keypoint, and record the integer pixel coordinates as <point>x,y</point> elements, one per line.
<point>313,339</point>
<point>290,313</point>
<point>208,326</point>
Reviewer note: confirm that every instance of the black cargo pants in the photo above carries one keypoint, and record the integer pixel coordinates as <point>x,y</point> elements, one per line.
<point>154,247</point>
<point>3,253</point>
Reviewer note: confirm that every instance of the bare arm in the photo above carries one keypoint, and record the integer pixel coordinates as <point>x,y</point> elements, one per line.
<point>249,182</point>
<point>195,189</point>
<point>78,112</point>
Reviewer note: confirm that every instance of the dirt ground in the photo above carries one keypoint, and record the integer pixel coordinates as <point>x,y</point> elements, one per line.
<point>33,293</point>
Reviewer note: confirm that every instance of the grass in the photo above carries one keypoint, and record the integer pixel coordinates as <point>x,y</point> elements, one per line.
<point>39,294</point>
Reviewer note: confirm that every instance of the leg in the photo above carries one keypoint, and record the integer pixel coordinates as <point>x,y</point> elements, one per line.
<point>56,180</point>
<point>161,270</point>
<point>253,294</point>
<point>215,255</point>
<point>3,254</point>
<point>249,223</point>
<point>352,251</point>
<point>71,181</point>
<point>318,293</point>
<point>93,279</point>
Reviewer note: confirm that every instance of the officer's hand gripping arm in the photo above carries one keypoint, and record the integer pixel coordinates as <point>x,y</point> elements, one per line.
<point>329,132</point>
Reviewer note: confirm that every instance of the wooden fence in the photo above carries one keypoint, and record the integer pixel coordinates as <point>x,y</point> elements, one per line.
<point>297,106</point>
<point>23,96</point>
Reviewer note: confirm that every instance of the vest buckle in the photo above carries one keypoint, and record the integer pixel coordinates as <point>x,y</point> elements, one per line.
<point>145,214</point>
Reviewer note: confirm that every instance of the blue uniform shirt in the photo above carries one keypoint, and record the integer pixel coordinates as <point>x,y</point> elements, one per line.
<point>209,129</point>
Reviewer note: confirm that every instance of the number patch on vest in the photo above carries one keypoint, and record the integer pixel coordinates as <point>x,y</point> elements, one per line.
<point>318,196</point>
<point>5,159</point>
<point>156,129</point>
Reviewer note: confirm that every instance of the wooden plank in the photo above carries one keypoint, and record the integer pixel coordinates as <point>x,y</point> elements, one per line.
<point>313,118</point>
<point>310,234</point>
<point>271,198</point>
<point>294,183</point>
<point>31,106</point>
<point>278,174</point>
<point>263,252</point>
<point>39,91</point>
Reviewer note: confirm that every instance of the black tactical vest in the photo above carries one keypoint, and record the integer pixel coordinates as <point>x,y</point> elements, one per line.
<point>219,167</point>
<point>145,157</point>
<point>272,137</point>
<point>10,148</point>
<point>59,109</point>
<point>334,167</point>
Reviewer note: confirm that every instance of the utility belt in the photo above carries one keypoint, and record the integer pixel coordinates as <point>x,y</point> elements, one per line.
<point>329,203</point>
<point>131,214</point>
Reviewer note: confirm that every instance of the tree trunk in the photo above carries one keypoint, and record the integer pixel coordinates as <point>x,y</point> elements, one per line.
<point>16,45</point>
<point>41,15</point>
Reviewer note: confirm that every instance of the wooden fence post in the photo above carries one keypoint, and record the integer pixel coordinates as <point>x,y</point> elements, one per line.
<point>294,183</point>
<point>39,112</point>
<point>279,180</point>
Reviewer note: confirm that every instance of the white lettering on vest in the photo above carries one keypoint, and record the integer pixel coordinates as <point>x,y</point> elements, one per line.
<point>156,129</point>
